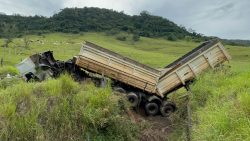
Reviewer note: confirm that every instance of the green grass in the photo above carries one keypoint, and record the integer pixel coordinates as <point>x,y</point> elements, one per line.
<point>220,100</point>
<point>63,110</point>
<point>221,103</point>
<point>154,52</point>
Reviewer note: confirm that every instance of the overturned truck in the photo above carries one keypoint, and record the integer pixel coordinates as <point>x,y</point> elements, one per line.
<point>144,86</point>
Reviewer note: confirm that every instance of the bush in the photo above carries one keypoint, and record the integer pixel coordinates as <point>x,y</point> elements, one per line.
<point>75,31</point>
<point>39,33</point>
<point>172,37</point>
<point>135,37</point>
<point>188,38</point>
<point>112,32</point>
<point>121,37</point>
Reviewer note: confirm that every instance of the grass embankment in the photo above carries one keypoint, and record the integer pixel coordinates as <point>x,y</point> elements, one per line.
<point>221,105</point>
<point>221,101</point>
<point>62,109</point>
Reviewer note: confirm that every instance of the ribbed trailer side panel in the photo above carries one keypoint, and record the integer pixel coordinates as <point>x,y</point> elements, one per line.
<point>120,68</point>
<point>180,74</point>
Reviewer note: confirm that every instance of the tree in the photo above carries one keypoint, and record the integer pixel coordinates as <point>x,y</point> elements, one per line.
<point>135,37</point>
<point>172,37</point>
<point>9,31</point>
<point>26,42</point>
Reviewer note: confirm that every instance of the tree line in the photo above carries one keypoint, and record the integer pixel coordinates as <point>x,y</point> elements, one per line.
<point>75,20</point>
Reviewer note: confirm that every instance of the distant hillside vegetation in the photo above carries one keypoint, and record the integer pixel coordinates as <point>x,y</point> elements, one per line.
<point>245,43</point>
<point>75,20</point>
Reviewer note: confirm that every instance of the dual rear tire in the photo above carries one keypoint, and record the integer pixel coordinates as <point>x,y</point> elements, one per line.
<point>151,108</point>
<point>133,99</point>
<point>166,108</point>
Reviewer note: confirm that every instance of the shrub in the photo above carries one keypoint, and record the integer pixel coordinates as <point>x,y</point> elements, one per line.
<point>112,32</point>
<point>135,37</point>
<point>172,37</point>
<point>39,33</point>
<point>188,38</point>
<point>75,31</point>
<point>121,37</point>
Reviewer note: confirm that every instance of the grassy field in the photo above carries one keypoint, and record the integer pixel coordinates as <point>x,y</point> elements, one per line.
<point>220,100</point>
<point>153,52</point>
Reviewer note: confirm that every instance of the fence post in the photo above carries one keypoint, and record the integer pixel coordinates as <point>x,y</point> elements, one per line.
<point>189,115</point>
<point>1,61</point>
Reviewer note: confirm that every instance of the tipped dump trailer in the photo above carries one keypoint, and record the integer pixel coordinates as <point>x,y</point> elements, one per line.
<point>147,85</point>
<point>144,86</point>
<point>105,62</point>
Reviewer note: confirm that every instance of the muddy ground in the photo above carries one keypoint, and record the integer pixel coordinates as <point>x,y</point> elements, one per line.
<point>157,127</point>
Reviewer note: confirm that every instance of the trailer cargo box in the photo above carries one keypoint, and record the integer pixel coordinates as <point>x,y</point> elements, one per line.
<point>105,62</point>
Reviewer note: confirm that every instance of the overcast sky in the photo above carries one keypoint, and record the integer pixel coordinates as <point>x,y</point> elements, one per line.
<point>223,18</point>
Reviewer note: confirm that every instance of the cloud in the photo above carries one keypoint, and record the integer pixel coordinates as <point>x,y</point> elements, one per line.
<point>223,18</point>
<point>31,7</point>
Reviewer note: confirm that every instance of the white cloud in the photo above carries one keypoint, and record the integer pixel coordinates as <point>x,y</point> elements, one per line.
<point>130,7</point>
<point>31,7</point>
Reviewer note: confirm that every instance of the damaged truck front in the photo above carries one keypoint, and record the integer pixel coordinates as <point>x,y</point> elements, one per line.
<point>41,66</point>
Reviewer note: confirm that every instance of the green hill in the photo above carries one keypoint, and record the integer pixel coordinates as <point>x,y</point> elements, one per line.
<point>75,20</point>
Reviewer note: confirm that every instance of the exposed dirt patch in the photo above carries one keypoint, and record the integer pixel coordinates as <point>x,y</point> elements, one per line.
<point>157,129</point>
<point>23,106</point>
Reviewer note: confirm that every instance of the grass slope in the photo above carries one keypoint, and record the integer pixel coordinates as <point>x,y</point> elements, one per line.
<point>221,104</point>
<point>62,110</point>
<point>220,101</point>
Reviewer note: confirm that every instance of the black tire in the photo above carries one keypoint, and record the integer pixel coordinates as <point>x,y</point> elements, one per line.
<point>167,108</point>
<point>133,99</point>
<point>119,89</point>
<point>151,108</point>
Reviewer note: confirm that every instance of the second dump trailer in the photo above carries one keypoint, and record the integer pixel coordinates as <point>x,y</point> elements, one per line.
<point>185,69</point>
